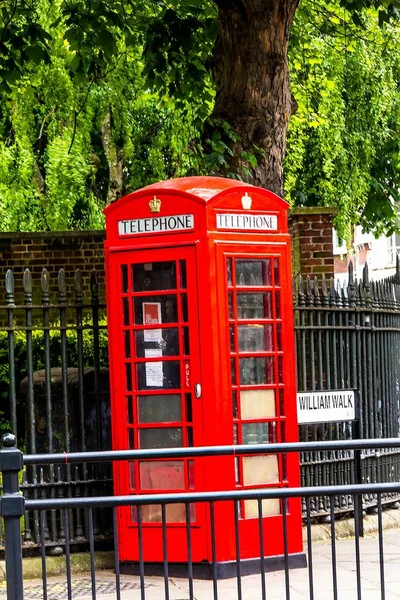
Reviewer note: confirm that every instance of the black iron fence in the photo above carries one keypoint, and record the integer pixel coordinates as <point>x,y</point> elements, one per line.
<point>54,385</point>
<point>317,581</point>
<point>348,337</point>
<point>54,391</point>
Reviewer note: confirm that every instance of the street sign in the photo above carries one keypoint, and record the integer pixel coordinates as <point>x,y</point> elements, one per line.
<point>325,407</point>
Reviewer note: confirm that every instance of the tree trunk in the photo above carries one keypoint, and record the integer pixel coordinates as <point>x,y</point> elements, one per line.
<point>252,85</point>
<point>115,159</point>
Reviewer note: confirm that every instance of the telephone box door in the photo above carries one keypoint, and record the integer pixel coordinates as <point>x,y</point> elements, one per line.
<point>158,399</point>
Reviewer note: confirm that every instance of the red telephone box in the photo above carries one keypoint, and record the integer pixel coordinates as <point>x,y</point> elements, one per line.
<point>201,343</point>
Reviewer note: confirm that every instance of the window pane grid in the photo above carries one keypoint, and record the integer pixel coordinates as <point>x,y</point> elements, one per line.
<point>255,332</point>
<point>155,301</point>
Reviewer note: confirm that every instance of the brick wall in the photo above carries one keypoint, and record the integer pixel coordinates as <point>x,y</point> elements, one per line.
<point>68,250</point>
<point>311,229</point>
<point>312,253</point>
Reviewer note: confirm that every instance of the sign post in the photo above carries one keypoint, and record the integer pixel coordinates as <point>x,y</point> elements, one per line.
<point>333,406</point>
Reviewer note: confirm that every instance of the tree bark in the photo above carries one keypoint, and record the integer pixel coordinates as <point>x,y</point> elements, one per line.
<point>115,159</point>
<point>252,84</point>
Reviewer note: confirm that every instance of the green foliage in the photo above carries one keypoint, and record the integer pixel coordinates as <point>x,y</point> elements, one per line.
<point>100,98</point>
<point>343,143</point>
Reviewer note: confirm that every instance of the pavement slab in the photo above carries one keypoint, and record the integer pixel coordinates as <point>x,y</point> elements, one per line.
<point>296,587</point>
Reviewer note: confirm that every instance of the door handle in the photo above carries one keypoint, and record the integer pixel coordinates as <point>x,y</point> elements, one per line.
<point>197,390</point>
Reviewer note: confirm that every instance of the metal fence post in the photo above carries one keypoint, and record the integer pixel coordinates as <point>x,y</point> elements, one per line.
<point>12,508</point>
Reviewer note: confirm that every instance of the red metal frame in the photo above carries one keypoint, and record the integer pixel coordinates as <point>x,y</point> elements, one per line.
<point>206,250</point>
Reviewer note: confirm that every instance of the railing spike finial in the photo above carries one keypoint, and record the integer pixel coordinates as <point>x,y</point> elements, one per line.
<point>325,292</point>
<point>309,292</point>
<point>27,285</point>
<point>351,287</point>
<point>94,285</point>
<point>397,274</point>
<point>45,285</point>
<point>301,291</point>
<point>317,297</point>
<point>62,286</point>
<point>338,293</point>
<point>9,287</point>
<point>78,286</point>
<point>366,285</point>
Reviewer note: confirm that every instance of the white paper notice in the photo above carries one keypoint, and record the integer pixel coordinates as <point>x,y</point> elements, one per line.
<point>154,370</point>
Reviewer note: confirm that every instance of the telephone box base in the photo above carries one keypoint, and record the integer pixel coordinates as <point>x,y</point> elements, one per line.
<point>224,570</point>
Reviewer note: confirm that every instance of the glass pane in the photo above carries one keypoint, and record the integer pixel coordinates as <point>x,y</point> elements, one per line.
<point>278,305</point>
<point>125,304</point>
<point>269,506</point>
<point>280,369</point>
<point>256,338</point>
<point>128,377</point>
<point>279,336</point>
<point>124,273</point>
<point>131,439</point>
<point>253,272</point>
<point>162,475</point>
<point>284,466</point>
<point>186,343</point>
<point>230,305</point>
<point>185,313</point>
<point>129,407</point>
<point>174,513</point>
<point>182,269</point>
<point>283,431</point>
<point>158,374</point>
<point>282,403</point>
<point>233,371</point>
<point>254,306</point>
<point>259,433</point>
<point>260,469</point>
<point>159,408</point>
<point>256,371</point>
<point>189,416</point>
<point>237,471</point>
<point>161,437</point>
<point>229,270</point>
<point>232,338</point>
<point>235,405</point>
<point>189,436</point>
<point>127,336</point>
<point>191,482</point>
<point>257,404</point>
<point>132,478</point>
<point>235,434</point>
<point>154,276</point>
<point>277,278</point>
<point>166,340</point>
<point>151,310</point>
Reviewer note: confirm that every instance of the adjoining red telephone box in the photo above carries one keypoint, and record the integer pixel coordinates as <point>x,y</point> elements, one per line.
<point>201,342</point>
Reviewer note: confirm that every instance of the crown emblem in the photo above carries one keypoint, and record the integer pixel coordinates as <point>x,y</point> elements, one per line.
<point>246,201</point>
<point>155,205</point>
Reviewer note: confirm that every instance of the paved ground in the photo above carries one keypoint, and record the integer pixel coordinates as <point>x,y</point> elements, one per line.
<point>251,586</point>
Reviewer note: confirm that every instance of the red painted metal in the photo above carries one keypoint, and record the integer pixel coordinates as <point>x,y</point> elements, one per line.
<point>210,306</point>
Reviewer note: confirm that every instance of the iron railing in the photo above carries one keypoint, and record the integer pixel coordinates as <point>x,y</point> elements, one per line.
<point>55,391</point>
<point>13,506</point>
<point>349,338</point>
<point>56,380</point>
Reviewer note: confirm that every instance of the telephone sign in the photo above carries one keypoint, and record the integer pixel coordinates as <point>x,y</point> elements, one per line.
<point>201,339</point>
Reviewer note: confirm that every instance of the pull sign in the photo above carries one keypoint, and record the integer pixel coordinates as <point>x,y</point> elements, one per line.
<point>247,222</point>
<point>187,375</point>
<point>156,225</point>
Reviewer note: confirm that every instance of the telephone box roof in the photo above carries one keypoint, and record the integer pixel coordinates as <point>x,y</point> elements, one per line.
<point>203,187</point>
